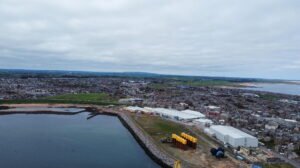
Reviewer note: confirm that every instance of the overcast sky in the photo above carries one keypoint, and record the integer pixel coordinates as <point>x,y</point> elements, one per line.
<point>253,38</point>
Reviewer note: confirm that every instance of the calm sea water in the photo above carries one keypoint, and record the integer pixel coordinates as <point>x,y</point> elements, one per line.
<point>292,89</point>
<point>58,141</point>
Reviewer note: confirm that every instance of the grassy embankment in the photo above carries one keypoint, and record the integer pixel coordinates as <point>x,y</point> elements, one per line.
<point>157,127</point>
<point>82,98</point>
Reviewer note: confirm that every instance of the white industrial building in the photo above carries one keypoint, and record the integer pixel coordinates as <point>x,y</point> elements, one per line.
<point>208,131</point>
<point>131,101</point>
<point>174,114</point>
<point>133,108</point>
<point>213,108</point>
<point>233,136</point>
<point>203,122</point>
<point>195,113</point>
<point>148,110</point>
<point>186,115</point>
<point>139,109</point>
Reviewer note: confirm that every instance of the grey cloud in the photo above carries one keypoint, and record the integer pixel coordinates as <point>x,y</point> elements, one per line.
<point>232,38</point>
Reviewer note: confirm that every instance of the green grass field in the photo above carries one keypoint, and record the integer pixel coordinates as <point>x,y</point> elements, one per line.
<point>159,86</point>
<point>157,127</point>
<point>82,98</point>
<point>204,83</point>
<point>270,97</point>
<point>192,83</point>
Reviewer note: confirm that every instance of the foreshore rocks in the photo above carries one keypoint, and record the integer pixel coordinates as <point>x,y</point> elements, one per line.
<point>155,153</point>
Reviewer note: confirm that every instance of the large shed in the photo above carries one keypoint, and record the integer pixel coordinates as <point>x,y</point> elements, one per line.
<point>133,108</point>
<point>203,122</point>
<point>174,114</point>
<point>234,137</point>
<point>195,113</point>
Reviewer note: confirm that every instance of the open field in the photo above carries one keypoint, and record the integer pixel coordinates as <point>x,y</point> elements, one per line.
<point>269,97</point>
<point>83,98</point>
<point>197,83</point>
<point>194,83</point>
<point>159,128</point>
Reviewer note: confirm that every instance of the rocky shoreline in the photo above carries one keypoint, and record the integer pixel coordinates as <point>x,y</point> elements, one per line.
<point>151,149</point>
<point>145,141</point>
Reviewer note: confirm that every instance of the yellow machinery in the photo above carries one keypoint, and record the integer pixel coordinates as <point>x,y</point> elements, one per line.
<point>179,139</point>
<point>177,164</point>
<point>189,138</point>
<point>191,141</point>
<point>179,142</point>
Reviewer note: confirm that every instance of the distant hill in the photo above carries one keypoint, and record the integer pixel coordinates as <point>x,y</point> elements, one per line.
<point>19,73</point>
<point>61,73</point>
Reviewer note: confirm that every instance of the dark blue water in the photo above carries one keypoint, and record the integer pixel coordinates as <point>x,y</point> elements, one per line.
<point>59,141</point>
<point>292,89</point>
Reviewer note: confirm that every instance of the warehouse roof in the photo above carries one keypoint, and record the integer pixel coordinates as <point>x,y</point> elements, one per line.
<point>212,107</point>
<point>133,108</point>
<point>147,109</point>
<point>231,131</point>
<point>204,120</point>
<point>195,113</point>
<point>175,113</point>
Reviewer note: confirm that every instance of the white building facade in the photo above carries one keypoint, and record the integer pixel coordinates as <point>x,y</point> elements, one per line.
<point>174,114</point>
<point>203,122</point>
<point>234,137</point>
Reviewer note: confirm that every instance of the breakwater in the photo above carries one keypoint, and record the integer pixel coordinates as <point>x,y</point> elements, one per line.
<point>145,141</point>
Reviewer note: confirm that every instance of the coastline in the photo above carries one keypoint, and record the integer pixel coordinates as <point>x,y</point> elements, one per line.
<point>143,140</point>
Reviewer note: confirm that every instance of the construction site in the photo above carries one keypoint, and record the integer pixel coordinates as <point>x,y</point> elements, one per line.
<point>177,138</point>
<point>196,144</point>
<point>179,142</point>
